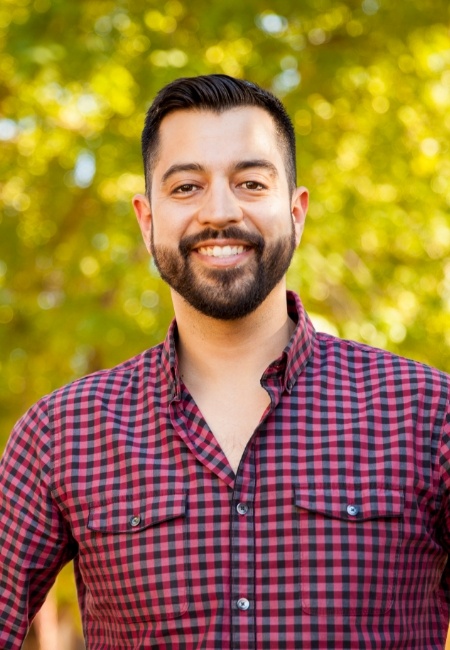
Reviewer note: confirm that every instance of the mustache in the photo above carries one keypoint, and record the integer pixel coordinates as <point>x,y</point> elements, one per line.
<point>232,232</point>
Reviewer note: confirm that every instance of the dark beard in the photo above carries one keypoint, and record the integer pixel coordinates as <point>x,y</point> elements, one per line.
<point>228,293</point>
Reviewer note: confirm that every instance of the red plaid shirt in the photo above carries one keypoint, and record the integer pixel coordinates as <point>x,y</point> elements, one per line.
<point>334,532</point>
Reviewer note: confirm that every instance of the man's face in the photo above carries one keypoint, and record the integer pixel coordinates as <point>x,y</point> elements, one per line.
<point>222,225</point>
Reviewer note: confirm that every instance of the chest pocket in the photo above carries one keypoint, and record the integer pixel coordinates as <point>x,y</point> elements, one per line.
<point>133,560</point>
<point>350,539</point>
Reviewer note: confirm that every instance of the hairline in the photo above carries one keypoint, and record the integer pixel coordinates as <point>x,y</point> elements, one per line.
<point>152,158</point>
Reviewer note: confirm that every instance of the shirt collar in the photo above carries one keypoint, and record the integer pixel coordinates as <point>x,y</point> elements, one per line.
<point>288,366</point>
<point>300,347</point>
<point>169,361</point>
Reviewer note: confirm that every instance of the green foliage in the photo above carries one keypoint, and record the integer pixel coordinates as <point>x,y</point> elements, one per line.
<point>368,86</point>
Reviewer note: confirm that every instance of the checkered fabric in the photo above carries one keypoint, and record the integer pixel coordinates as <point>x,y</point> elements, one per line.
<point>333,534</point>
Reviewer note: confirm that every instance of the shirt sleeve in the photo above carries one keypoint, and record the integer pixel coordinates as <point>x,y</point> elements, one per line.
<point>35,540</point>
<point>444,520</point>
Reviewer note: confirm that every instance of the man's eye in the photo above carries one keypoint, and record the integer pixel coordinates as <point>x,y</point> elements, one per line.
<point>252,185</point>
<point>185,188</point>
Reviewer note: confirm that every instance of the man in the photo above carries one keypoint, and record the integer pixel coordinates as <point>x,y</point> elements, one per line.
<point>249,483</point>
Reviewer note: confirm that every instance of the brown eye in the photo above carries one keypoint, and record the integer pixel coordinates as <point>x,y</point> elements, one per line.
<point>253,185</point>
<point>186,188</point>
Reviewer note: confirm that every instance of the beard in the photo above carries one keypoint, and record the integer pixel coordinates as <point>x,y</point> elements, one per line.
<point>225,293</point>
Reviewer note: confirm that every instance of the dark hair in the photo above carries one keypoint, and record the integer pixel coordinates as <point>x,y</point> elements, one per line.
<point>215,92</point>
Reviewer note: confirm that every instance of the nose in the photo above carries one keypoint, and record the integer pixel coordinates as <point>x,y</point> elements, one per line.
<point>220,207</point>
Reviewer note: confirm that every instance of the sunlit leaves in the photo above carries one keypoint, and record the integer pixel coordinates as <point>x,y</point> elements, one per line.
<point>368,86</point>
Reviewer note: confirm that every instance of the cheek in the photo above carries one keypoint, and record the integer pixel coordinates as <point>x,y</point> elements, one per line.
<point>169,226</point>
<point>278,224</point>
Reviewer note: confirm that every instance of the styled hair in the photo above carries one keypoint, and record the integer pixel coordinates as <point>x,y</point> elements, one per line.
<point>217,93</point>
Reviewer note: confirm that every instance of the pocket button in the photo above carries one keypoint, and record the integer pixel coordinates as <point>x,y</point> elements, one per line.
<point>353,511</point>
<point>135,521</point>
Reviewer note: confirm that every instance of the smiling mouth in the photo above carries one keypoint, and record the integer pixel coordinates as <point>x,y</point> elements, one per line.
<point>221,251</point>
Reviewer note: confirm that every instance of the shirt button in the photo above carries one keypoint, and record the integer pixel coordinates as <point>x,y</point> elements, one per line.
<point>135,521</point>
<point>352,511</point>
<point>242,508</point>
<point>243,604</point>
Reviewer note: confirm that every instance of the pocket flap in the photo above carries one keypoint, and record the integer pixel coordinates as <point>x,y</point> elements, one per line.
<point>355,503</point>
<point>131,514</point>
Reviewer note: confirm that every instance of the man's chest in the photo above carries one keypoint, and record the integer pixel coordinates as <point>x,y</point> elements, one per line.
<point>319,519</point>
<point>232,417</point>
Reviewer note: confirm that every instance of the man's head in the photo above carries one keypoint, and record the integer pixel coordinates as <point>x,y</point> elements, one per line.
<point>221,216</point>
<point>216,93</point>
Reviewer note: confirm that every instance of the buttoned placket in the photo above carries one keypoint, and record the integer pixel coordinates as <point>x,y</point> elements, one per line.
<point>242,516</point>
<point>243,533</point>
<point>242,550</point>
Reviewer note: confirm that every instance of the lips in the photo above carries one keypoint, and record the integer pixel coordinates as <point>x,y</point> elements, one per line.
<point>221,251</point>
<point>221,244</point>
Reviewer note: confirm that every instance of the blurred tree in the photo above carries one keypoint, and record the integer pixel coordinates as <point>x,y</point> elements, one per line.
<point>367,83</point>
<point>368,86</point>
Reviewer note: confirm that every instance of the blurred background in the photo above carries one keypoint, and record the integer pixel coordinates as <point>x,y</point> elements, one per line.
<point>367,83</point>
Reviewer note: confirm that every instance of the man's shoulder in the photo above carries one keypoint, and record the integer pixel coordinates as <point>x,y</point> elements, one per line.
<point>110,383</point>
<point>360,356</point>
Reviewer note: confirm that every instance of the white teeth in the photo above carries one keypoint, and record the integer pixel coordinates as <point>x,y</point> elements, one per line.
<point>221,251</point>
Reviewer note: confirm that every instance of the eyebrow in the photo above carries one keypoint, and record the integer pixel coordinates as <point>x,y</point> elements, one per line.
<point>257,163</point>
<point>175,169</point>
<point>242,165</point>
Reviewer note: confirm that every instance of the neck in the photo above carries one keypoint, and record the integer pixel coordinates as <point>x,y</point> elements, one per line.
<point>209,348</point>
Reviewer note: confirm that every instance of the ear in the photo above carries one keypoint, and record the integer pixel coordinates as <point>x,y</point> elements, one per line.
<point>141,206</point>
<point>299,208</point>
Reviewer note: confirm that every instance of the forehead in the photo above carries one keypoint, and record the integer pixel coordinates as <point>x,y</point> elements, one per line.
<point>209,137</point>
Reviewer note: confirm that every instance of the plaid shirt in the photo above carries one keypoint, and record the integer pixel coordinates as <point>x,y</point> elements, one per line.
<point>334,532</point>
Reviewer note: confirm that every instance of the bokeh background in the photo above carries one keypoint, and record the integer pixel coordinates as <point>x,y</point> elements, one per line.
<point>367,83</point>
